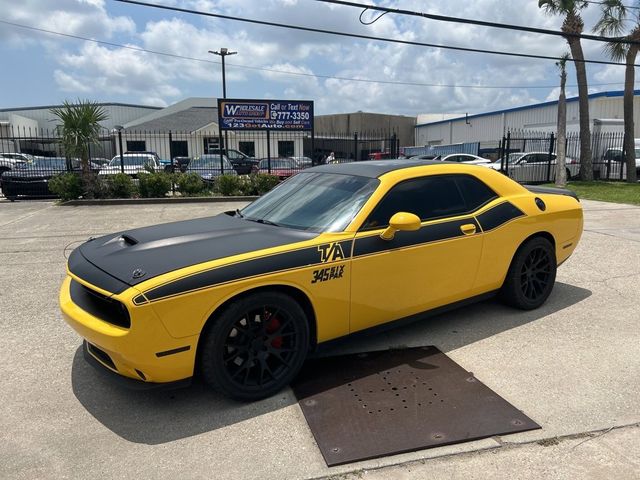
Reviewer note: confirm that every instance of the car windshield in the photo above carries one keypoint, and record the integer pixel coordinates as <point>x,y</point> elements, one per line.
<point>512,158</point>
<point>210,162</point>
<point>57,163</point>
<point>277,163</point>
<point>131,161</point>
<point>319,202</point>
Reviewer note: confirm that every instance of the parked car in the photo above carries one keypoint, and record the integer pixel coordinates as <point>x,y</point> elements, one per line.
<point>32,179</point>
<point>243,297</point>
<point>9,161</point>
<point>280,167</point>
<point>466,158</point>
<point>134,163</point>
<point>303,162</point>
<point>612,166</point>
<point>243,164</point>
<point>208,167</point>
<point>534,167</point>
<point>181,163</point>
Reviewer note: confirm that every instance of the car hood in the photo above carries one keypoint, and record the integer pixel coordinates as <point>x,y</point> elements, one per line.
<point>137,255</point>
<point>32,172</point>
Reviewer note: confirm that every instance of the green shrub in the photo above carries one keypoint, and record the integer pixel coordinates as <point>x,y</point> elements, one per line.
<point>260,184</point>
<point>154,185</point>
<point>120,185</point>
<point>190,184</point>
<point>229,185</point>
<point>67,186</point>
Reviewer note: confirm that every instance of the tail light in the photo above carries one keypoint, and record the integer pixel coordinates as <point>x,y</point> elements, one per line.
<point>572,161</point>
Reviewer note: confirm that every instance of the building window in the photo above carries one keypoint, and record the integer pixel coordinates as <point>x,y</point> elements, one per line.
<point>136,146</point>
<point>285,148</point>
<point>179,148</point>
<point>248,148</point>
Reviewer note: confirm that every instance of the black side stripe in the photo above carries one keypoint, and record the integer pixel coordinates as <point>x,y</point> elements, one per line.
<point>237,271</point>
<point>489,220</point>
<point>499,215</point>
<point>427,234</point>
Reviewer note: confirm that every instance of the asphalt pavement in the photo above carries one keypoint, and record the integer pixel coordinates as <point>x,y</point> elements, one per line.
<point>573,366</point>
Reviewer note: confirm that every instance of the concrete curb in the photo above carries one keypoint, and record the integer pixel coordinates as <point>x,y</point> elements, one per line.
<point>155,201</point>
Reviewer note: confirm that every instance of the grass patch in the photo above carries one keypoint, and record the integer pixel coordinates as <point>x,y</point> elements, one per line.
<point>616,192</point>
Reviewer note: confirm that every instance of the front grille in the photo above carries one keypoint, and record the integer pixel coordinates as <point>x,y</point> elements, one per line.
<point>100,306</point>
<point>101,355</point>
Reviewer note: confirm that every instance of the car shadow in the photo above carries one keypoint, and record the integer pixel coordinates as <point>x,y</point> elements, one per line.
<point>156,417</point>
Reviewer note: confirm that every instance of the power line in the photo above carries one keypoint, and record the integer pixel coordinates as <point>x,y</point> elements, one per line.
<point>361,36</point>
<point>288,72</point>
<point>482,23</point>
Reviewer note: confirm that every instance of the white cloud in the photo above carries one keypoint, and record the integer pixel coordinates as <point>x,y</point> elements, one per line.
<point>116,73</point>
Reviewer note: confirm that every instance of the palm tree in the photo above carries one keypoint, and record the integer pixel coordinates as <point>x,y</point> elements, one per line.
<point>572,26</point>
<point>561,147</point>
<point>80,128</point>
<point>612,22</point>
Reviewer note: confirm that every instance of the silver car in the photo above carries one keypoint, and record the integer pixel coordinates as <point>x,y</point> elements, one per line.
<point>535,167</point>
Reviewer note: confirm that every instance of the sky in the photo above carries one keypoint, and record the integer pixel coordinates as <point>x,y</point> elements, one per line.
<point>45,69</point>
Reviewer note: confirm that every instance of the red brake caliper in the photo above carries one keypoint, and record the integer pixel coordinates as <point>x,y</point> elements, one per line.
<point>273,326</point>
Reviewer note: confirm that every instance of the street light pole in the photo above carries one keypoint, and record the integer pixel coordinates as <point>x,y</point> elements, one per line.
<point>223,52</point>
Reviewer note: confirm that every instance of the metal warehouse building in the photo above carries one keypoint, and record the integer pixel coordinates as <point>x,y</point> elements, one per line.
<point>542,117</point>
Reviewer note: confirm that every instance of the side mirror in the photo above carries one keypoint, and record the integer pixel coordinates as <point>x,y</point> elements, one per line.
<point>401,222</point>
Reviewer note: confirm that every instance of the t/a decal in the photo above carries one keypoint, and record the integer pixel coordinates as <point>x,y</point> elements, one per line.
<point>328,273</point>
<point>330,252</point>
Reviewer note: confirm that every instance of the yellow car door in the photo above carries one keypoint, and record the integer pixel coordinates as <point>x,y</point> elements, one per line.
<point>422,269</point>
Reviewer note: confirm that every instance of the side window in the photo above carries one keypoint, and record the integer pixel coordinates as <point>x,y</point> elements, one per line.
<point>474,191</point>
<point>428,198</point>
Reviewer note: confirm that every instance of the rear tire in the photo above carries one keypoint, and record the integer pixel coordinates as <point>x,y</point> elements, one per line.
<point>531,275</point>
<point>255,347</point>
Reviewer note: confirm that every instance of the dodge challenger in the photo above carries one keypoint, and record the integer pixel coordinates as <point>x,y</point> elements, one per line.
<point>243,297</point>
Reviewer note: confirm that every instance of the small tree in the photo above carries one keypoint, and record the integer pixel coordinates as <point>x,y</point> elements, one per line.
<point>561,147</point>
<point>573,25</point>
<point>80,128</point>
<point>614,22</point>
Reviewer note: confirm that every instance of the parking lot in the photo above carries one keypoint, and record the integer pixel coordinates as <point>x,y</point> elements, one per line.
<point>573,366</point>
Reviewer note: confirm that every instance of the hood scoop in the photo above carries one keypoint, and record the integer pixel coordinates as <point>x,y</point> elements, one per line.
<point>128,239</point>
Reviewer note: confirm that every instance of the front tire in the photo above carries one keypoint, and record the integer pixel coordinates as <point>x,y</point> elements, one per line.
<point>531,275</point>
<point>255,347</point>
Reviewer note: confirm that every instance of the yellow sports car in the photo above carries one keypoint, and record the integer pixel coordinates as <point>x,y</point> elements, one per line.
<point>244,296</point>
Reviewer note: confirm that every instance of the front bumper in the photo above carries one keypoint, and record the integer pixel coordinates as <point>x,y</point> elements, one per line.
<point>144,352</point>
<point>126,382</point>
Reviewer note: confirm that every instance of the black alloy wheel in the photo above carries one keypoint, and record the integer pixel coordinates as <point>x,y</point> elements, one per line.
<point>531,275</point>
<point>256,346</point>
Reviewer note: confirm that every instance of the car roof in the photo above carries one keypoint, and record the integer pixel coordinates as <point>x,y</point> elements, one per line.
<point>374,168</point>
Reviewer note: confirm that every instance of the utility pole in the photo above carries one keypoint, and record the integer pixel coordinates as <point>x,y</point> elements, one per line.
<point>223,52</point>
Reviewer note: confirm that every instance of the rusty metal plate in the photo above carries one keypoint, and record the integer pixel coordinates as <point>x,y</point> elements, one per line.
<point>375,404</point>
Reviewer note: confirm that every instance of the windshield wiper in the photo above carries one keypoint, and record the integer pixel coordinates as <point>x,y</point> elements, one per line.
<point>239,213</point>
<point>263,221</point>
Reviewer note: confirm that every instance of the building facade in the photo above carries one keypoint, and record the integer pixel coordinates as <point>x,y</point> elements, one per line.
<point>604,109</point>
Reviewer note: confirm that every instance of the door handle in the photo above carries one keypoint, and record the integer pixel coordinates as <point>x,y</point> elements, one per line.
<point>468,228</point>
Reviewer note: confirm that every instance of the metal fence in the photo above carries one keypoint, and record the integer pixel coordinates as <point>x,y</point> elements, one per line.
<point>528,156</point>
<point>29,158</point>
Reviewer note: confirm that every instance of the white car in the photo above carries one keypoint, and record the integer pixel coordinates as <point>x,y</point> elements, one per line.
<point>612,162</point>
<point>535,167</point>
<point>134,163</point>
<point>466,158</point>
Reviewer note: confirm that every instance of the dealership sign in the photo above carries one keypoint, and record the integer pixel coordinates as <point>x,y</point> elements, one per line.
<point>234,114</point>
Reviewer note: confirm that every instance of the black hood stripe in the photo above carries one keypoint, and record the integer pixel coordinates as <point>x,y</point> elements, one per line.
<point>238,271</point>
